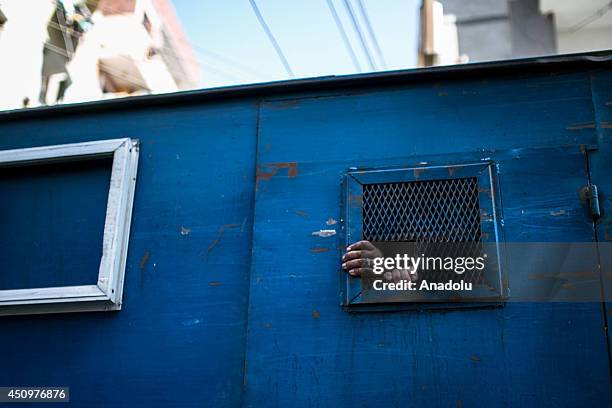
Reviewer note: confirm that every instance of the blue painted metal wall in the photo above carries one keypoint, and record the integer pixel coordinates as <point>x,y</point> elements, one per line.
<point>179,339</point>
<point>230,300</point>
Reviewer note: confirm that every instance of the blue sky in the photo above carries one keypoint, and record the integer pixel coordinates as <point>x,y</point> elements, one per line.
<point>227,31</point>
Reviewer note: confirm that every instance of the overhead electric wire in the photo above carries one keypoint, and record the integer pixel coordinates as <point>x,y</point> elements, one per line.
<point>206,66</point>
<point>345,39</point>
<point>223,74</point>
<point>595,16</point>
<point>127,78</point>
<point>356,26</point>
<point>229,61</point>
<point>372,34</point>
<point>65,35</point>
<point>61,51</point>
<point>275,44</point>
<point>130,79</point>
<point>69,30</point>
<point>204,52</point>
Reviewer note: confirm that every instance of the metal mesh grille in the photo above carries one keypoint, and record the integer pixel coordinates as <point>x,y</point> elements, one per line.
<point>441,216</point>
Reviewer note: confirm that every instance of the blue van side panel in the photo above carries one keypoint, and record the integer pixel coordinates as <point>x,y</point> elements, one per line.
<point>230,300</point>
<point>180,336</point>
<point>304,350</point>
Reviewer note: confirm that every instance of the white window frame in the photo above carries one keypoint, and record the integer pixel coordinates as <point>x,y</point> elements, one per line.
<point>107,293</point>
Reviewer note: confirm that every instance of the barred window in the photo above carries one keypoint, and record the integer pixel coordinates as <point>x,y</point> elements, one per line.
<point>440,212</point>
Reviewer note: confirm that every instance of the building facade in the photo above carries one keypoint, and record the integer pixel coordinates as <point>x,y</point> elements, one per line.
<point>457,31</point>
<point>71,51</point>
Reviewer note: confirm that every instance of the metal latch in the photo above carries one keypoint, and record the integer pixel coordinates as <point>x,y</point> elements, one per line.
<point>589,194</point>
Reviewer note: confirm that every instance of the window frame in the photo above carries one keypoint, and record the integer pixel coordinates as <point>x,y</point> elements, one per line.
<point>485,171</point>
<point>107,293</point>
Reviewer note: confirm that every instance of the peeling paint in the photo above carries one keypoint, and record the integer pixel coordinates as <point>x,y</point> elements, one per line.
<point>185,231</point>
<point>292,170</point>
<point>220,233</point>
<point>484,190</point>
<point>317,250</point>
<point>417,172</point>
<point>331,221</point>
<point>316,314</point>
<point>356,199</point>
<point>191,322</point>
<point>301,213</point>
<point>606,125</point>
<point>324,233</point>
<point>214,283</point>
<point>580,126</point>
<point>558,213</point>
<point>475,358</point>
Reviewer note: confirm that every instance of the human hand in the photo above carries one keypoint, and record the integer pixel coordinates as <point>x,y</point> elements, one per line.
<point>359,258</point>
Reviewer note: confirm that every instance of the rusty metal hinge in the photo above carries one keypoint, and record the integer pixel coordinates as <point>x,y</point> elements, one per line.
<point>590,195</point>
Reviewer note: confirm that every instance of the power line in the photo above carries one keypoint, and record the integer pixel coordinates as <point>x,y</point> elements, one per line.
<point>205,66</point>
<point>595,16</point>
<point>364,45</point>
<point>223,74</point>
<point>347,43</point>
<point>366,19</point>
<point>229,61</point>
<point>202,51</point>
<point>65,53</point>
<point>271,38</point>
<point>67,40</point>
<point>126,78</point>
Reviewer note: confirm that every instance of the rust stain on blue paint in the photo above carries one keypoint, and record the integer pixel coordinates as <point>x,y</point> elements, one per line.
<point>218,237</point>
<point>144,259</point>
<point>272,170</point>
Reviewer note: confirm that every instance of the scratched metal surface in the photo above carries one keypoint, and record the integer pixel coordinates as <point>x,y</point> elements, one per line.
<point>206,251</point>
